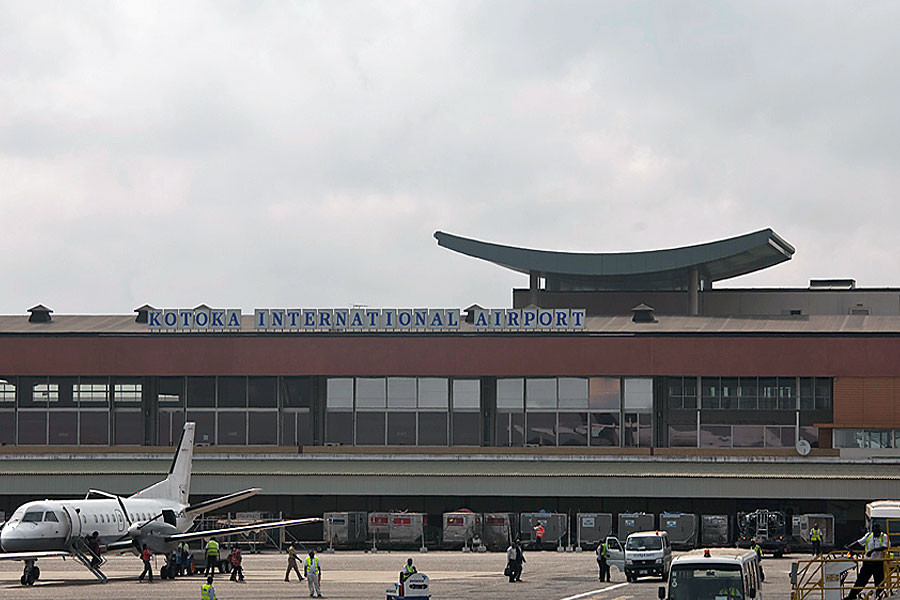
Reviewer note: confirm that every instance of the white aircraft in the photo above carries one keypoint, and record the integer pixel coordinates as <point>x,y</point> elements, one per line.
<point>159,516</point>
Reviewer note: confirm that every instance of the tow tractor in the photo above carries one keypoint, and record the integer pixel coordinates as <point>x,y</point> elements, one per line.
<point>414,588</point>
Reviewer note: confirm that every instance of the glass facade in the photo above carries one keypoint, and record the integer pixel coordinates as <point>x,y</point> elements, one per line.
<point>745,412</point>
<point>867,438</point>
<point>601,411</point>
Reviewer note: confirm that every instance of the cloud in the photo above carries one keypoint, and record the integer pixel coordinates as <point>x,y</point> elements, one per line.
<point>257,154</point>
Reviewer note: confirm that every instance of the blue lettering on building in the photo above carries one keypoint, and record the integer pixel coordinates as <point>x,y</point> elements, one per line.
<point>153,320</point>
<point>218,318</point>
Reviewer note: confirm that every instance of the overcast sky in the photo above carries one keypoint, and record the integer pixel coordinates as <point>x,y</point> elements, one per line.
<point>302,154</point>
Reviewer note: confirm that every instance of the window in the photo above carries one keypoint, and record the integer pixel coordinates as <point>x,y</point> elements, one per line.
<point>401,393</point>
<point>32,427</point>
<point>370,428</point>
<point>127,391</point>
<point>262,392</point>
<point>540,394</point>
<point>604,429</point>
<point>466,395</point>
<point>50,517</point>
<point>339,394</point>
<point>748,396</point>
<point>823,393</point>
<point>91,391</point>
<point>682,393</point>
<point>715,436</point>
<point>201,392</point>
<point>433,393</point>
<point>709,387</point>
<point>129,428</point>
<point>638,394</point>
<point>432,428</point>
<point>604,393</point>
<point>93,428</point>
<point>730,393</point>
<point>573,393</point>
<point>232,428</point>
<point>46,392</point>
<point>205,432</point>
<point>573,428</point>
<point>7,390</point>
<point>401,428</point>
<point>170,391</point>
<point>370,393</point>
<point>748,436</point>
<point>510,395</point>
<point>232,392</point>
<point>683,436</point>
<point>262,428</point>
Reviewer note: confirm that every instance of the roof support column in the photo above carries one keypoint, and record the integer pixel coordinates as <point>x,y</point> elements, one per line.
<point>694,292</point>
<point>534,286</point>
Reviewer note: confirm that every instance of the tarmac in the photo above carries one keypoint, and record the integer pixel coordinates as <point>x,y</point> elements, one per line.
<point>358,575</point>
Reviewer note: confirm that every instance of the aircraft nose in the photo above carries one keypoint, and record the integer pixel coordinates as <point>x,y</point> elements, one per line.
<point>7,537</point>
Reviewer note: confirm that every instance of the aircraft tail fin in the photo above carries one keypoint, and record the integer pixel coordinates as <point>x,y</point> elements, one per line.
<point>177,486</point>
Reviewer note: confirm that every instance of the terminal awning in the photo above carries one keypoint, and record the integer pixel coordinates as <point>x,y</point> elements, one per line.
<point>646,270</point>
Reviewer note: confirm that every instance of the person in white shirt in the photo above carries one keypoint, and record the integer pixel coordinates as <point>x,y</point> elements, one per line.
<point>874,544</point>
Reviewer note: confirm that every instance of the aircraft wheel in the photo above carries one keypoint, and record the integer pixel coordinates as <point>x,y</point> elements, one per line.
<point>164,572</point>
<point>29,579</point>
<point>36,573</point>
<point>24,580</point>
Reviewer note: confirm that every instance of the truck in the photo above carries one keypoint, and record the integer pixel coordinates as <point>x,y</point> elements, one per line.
<point>770,529</point>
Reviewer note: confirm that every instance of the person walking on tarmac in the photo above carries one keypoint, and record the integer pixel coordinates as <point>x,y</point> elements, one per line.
<point>207,591</point>
<point>237,571</point>
<point>313,571</point>
<point>602,561</point>
<point>510,570</point>
<point>212,556</point>
<point>520,560</point>
<point>758,549</point>
<point>146,556</point>
<point>874,544</point>
<point>815,537</point>
<point>292,564</point>
<point>408,571</point>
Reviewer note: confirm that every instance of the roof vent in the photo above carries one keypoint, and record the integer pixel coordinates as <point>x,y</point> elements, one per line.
<point>470,313</point>
<point>832,284</point>
<point>142,313</point>
<point>39,314</point>
<point>202,307</point>
<point>642,314</point>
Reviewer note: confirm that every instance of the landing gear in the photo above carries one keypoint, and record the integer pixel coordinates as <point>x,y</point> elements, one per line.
<point>30,574</point>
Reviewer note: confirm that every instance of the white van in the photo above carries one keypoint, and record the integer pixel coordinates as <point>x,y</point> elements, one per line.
<point>716,574</point>
<point>647,553</point>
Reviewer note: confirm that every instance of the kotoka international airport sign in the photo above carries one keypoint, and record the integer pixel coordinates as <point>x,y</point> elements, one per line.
<point>299,320</point>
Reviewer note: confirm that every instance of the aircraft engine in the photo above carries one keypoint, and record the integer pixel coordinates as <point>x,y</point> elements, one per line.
<point>154,534</point>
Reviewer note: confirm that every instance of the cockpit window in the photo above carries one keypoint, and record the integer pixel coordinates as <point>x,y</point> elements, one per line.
<point>50,516</point>
<point>33,517</point>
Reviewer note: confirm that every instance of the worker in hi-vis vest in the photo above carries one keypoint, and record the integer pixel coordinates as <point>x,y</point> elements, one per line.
<point>313,572</point>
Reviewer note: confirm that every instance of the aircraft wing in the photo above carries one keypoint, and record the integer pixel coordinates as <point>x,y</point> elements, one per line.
<point>33,555</point>
<point>120,546</point>
<point>196,535</point>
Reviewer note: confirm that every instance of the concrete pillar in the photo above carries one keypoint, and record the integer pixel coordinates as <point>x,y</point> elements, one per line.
<point>694,292</point>
<point>534,286</point>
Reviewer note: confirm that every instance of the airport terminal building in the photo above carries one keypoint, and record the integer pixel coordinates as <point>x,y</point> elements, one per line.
<point>612,381</point>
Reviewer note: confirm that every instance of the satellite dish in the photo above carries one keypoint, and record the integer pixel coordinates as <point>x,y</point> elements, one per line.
<point>803,448</point>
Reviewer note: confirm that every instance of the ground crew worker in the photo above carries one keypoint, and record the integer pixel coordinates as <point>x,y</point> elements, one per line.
<point>212,556</point>
<point>313,571</point>
<point>815,536</point>
<point>237,571</point>
<point>874,544</point>
<point>408,571</point>
<point>602,561</point>
<point>520,560</point>
<point>758,549</point>
<point>180,566</point>
<point>207,591</point>
<point>292,564</point>
<point>539,532</point>
<point>510,570</point>
<point>146,555</point>
<point>730,591</point>
<point>93,543</point>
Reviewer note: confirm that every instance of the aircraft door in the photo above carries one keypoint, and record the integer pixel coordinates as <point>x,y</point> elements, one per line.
<point>120,521</point>
<point>616,554</point>
<point>73,519</point>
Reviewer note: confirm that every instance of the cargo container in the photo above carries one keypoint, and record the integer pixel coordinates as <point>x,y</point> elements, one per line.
<point>555,528</point>
<point>345,529</point>
<point>631,522</point>
<point>460,528</point>
<point>498,530</point>
<point>407,530</point>
<point>592,528</point>
<point>803,523</point>
<point>683,529</point>
<point>770,528</point>
<point>716,530</point>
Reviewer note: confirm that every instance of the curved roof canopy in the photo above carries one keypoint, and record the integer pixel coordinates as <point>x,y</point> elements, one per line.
<point>649,270</point>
